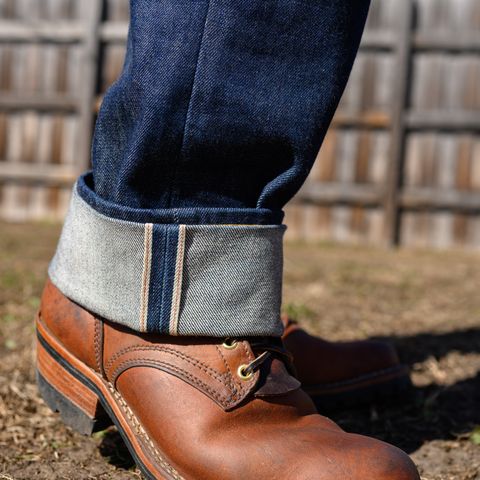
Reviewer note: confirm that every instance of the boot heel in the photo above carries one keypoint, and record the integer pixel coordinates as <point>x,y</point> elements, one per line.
<point>78,405</point>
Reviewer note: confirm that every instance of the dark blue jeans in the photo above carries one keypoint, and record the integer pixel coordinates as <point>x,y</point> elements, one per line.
<point>222,104</point>
<point>211,128</point>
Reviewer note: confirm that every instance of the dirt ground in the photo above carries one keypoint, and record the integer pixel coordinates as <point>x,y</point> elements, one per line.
<point>427,303</point>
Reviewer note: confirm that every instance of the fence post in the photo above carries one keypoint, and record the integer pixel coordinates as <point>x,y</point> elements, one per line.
<point>403,62</point>
<point>89,72</point>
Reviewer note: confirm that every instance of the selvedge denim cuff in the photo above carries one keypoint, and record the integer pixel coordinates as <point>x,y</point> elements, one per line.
<point>200,280</point>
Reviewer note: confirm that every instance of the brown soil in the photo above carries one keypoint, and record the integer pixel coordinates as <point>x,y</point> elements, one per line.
<point>426,303</point>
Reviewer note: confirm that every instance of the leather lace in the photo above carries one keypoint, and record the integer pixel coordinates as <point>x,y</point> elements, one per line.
<point>269,350</point>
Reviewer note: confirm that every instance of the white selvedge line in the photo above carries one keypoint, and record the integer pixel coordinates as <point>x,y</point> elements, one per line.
<point>177,284</point>
<point>147,263</point>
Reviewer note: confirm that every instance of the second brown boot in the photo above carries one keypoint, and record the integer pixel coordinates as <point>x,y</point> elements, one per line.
<point>343,374</point>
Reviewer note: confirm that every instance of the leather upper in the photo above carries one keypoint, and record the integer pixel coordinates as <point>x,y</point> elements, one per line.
<point>209,422</point>
<point>320,362</point>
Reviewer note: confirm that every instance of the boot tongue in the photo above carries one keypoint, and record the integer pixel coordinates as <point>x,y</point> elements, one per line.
<point>275,379</point>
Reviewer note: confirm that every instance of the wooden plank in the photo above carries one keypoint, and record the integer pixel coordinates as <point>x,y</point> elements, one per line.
<point>3,135</point>
<point>323,168</point>
<point>368,119</point>
<point>317,222</point>
<point>39,102</point>
<point>51,32</point>
<point>341,221</point>
<point>90,57</point>
<point>377,166</point>
<point>399,102</point>
<point>454,42</point>
<point>113,60</point>
<point>475,164</point>
<point>433,198</point>
<point>412,198</point>
<point>350,103</point>
<point>340,193</point>
<point>113,32</point>
<point>117,10</point>
<point>37,173</point>
<point>294,220</point>
<point>443,120</point>
<point>375,226</point>
<point>378,40</point>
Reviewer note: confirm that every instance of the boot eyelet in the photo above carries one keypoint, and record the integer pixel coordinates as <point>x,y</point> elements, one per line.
<point>242,374</point>
<point>230,344</point>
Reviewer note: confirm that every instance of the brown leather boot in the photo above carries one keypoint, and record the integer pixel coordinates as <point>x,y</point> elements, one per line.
<point>343,374</point>
<point>197,408</point>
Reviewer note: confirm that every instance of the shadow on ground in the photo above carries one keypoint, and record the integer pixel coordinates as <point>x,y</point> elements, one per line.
<point>432,412</point>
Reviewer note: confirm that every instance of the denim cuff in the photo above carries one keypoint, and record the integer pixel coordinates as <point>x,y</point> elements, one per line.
<point>175,279</point>
<point>188,216</point>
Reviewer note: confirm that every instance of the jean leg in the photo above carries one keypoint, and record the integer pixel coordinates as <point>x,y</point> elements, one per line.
<point>211,128</point>
<point>223,103</point>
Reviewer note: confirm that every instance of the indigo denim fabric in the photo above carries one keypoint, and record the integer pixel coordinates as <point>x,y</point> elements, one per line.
<point>222,104</point>
<point>211,128</point>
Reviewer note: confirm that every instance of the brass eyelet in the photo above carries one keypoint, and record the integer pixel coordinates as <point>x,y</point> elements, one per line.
<point>241,373</point>
<point>230,344</point>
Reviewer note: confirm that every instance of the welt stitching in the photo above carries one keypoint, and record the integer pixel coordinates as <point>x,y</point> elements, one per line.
<point>185,357</point>
<point>148,361</point>
<point>143,434</point>
<point>96,338</point>
<point>101,344</point>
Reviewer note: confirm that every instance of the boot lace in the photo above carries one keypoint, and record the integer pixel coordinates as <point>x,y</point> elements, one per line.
<point>270,348</point>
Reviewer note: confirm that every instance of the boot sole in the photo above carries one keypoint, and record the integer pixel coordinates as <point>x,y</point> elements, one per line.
<point>390,384</point>
<point>88,403</point>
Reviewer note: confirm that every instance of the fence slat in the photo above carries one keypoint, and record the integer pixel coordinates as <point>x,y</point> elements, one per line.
<point>394,177</point>
<point>89,81</point>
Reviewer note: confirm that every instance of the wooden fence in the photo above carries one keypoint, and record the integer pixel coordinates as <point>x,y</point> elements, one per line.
<point>401,163</point>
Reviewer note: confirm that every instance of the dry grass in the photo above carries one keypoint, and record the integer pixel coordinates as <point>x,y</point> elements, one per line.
<point>427,303</point>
